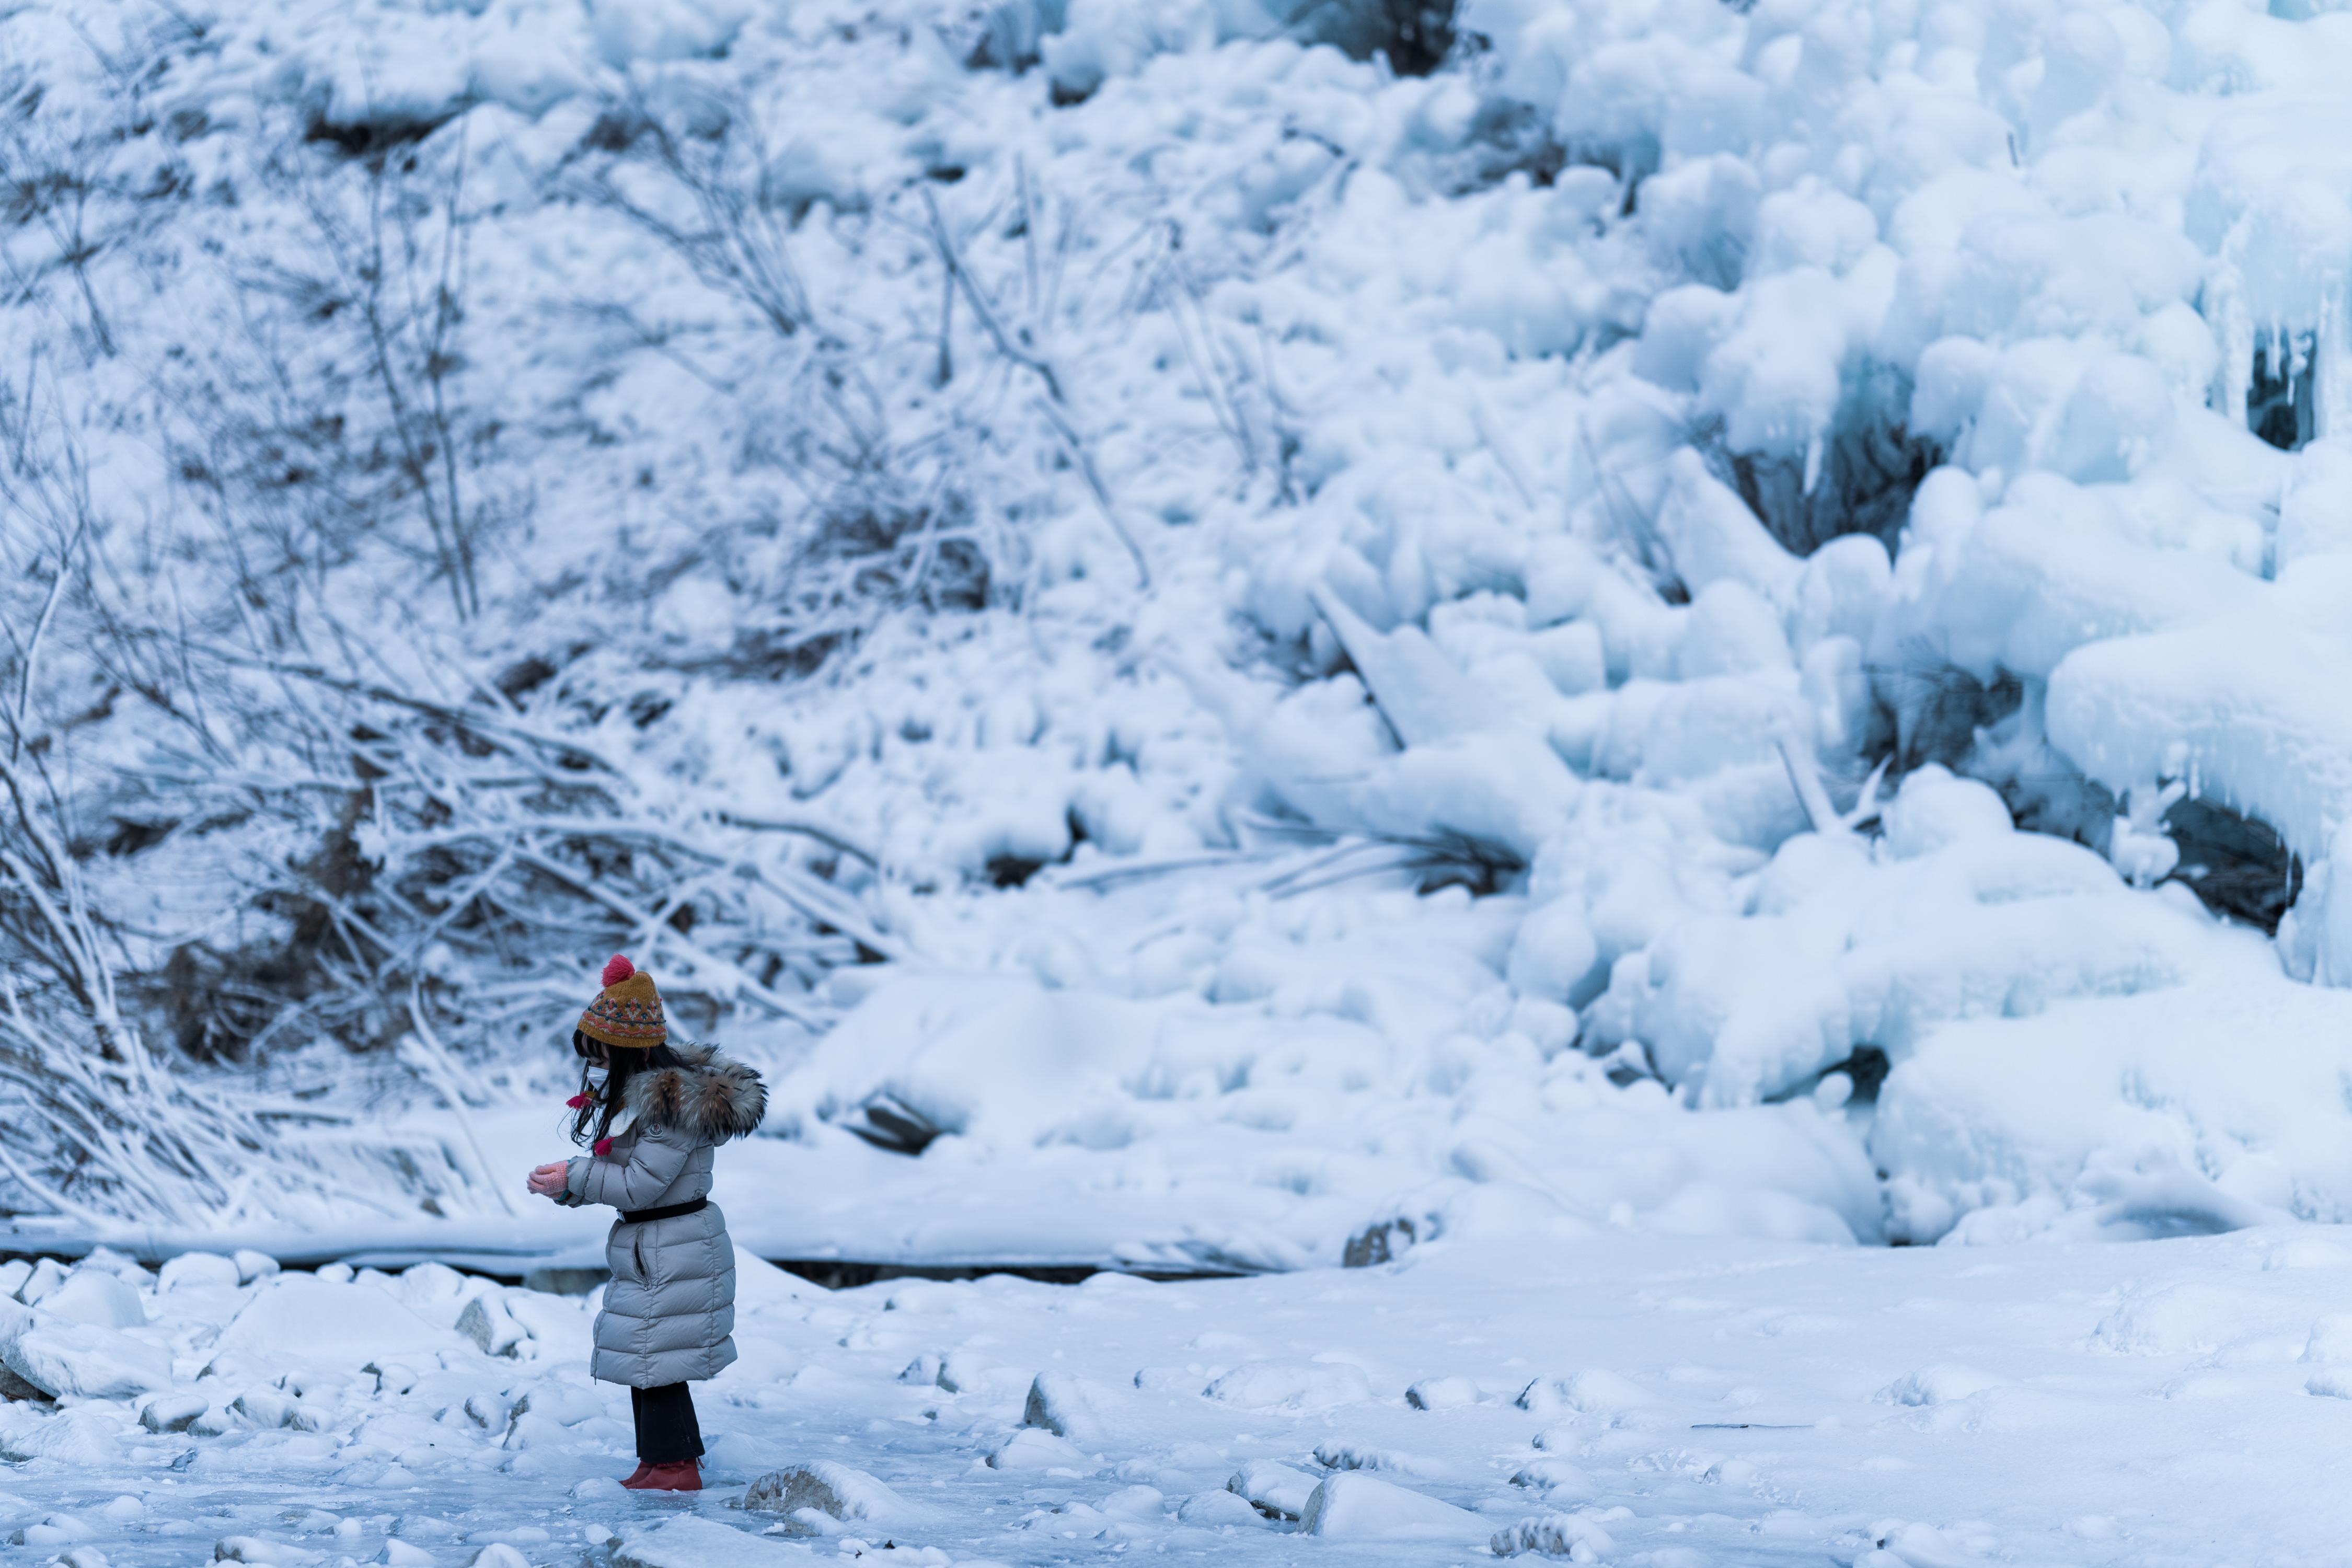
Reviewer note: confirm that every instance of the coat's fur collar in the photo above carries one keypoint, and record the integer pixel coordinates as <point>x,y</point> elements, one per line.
<point>709,1094</point>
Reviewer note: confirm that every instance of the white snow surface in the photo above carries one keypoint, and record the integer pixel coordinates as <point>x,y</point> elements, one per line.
<point>1645,1401</point>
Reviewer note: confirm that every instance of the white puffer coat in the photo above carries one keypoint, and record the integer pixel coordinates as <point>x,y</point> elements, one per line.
<point>669,1311</point>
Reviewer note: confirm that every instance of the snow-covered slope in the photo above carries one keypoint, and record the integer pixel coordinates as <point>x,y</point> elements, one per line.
<point>1226,649</point>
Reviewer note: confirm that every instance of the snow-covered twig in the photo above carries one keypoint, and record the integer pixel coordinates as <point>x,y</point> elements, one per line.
<point>436,1065</point>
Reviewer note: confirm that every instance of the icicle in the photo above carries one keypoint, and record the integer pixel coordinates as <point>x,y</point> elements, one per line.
<point>1813,463</point>
<point>2225,309</point>
<point>2331,399</point>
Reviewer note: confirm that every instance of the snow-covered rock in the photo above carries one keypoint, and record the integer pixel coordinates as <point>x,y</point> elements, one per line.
<point>839,1492</point>
<point>1572,1536</point>
<point>1033,1450</point>
<point>1356,1506</point>
<point>1272,1488</point>
<point>70,1358</point>
<point>1064,1406</point>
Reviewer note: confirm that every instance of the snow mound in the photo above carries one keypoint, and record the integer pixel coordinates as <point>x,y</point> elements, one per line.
<point>68,1359</point>
<point>1572,1536</point>
<point>302,1318</point>
<point>837,1491</point>
<point>1272,1488</point>
<point>1295,1387</point>
<point>687,1541</point>
<point>1946,1382</point>
<point>1352,1506</point>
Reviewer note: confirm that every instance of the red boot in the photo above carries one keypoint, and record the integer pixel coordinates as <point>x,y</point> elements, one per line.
<point>638,1476</point>
<point>681,1476</point>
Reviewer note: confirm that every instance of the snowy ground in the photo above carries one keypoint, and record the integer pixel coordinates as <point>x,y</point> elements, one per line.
<point>1650,1400</point>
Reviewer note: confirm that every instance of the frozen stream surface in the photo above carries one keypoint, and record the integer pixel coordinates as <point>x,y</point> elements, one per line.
<point>1625,1400</point>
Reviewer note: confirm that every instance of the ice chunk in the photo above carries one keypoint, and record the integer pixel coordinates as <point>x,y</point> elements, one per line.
<point>1351,1505</point>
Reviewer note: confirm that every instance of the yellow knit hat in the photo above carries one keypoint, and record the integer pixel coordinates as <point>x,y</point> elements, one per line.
<point>628,1012</point>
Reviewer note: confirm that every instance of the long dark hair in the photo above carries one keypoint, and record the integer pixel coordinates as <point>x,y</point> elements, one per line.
<point>593,1121</point>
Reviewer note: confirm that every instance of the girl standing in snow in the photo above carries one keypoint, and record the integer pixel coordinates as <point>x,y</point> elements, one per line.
<point>669,1311</point>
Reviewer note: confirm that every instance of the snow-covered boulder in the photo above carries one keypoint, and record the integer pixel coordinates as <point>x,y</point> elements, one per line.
<point>68,1358</point>
<point>1063,1405</point>
<point>820,1487</point>
<point>1031,1448</point>
<point>1352,1506</point>
<point>1573,1536</point>
<point>1272,1488</point>
<point>97,1297</point>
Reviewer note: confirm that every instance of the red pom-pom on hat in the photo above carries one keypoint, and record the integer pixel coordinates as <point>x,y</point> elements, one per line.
<point>617,969</point>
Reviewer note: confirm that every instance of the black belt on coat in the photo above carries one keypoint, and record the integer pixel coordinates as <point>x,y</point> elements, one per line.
<point>667,1210</point>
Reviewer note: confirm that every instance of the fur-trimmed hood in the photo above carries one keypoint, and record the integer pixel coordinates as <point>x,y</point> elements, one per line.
<point>710,1095</point>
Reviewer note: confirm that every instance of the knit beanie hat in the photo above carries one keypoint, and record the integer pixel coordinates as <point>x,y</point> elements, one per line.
<point>628,1012</point>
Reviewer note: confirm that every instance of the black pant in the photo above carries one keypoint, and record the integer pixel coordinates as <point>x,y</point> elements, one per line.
<point>667,1430</point>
